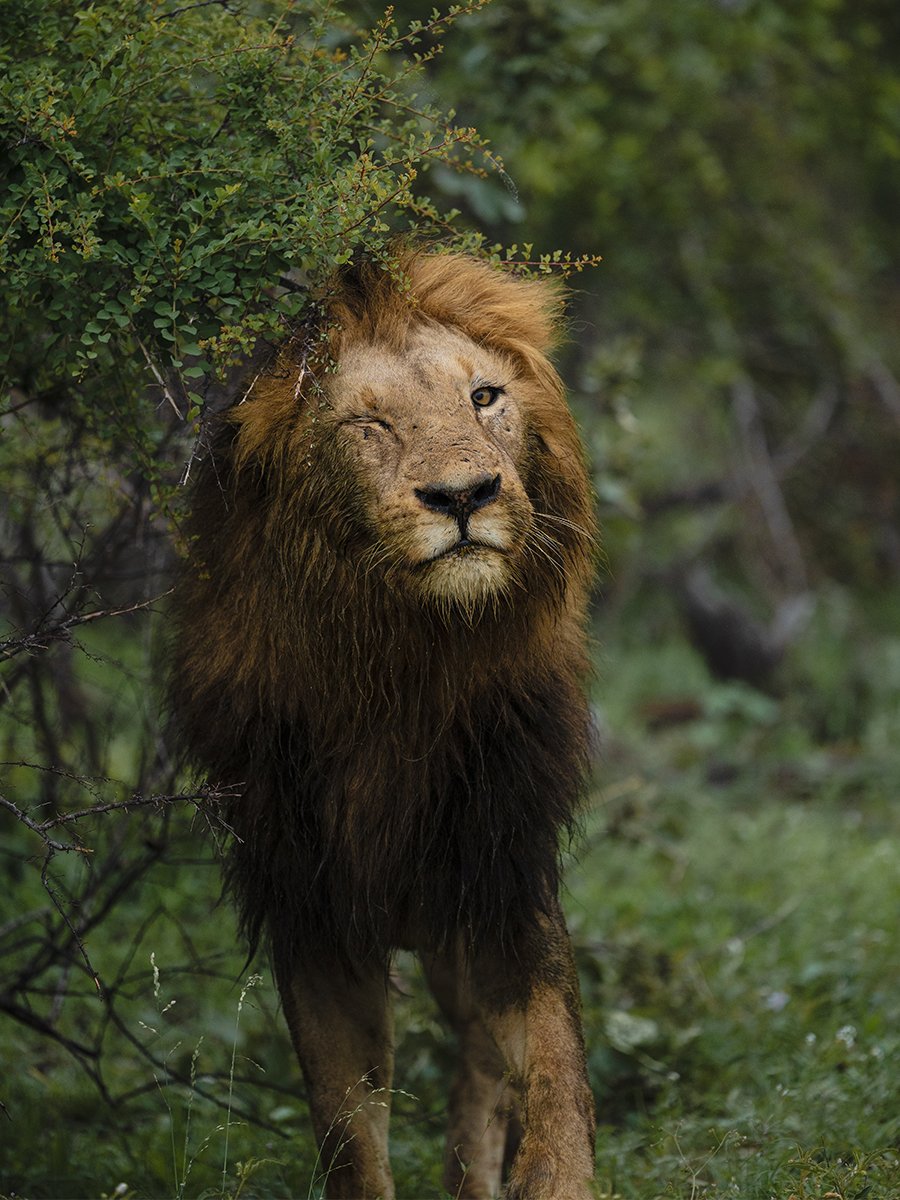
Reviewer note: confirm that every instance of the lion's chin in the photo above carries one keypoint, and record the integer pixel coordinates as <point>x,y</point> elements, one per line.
<point>467,577</point>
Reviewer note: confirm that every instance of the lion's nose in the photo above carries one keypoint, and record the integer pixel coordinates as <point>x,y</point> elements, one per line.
<point>459,501</point>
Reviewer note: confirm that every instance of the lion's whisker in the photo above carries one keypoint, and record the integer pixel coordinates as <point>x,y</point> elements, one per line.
<point>573,525</point>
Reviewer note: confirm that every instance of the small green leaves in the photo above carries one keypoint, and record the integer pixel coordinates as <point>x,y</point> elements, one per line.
<point>165,174</point>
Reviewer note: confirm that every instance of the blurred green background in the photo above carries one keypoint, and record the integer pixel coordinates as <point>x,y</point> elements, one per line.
<point>733,362</point>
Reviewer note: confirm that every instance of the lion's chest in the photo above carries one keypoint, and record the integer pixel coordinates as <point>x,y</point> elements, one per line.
<point>409,841</point>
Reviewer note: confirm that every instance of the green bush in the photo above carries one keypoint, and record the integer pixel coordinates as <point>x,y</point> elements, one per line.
<point>174,177</point>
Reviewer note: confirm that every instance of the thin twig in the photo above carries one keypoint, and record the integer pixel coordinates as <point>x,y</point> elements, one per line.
<point>40,637</point>
<point>161,381</point>
<point>203,795</point>
<point>50,843</point>
<point>763,480</point>
<point>176,12</point>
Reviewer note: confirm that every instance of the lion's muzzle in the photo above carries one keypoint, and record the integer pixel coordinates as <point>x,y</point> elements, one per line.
<point>459,500</point>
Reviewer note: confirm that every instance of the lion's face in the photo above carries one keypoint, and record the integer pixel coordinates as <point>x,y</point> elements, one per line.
<point>437,435</point>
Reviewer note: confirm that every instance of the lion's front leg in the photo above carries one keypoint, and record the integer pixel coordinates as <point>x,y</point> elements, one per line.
<point>342,1031</point>
<point>481,1099</point>
<point>555,1160</point>
<point>530,1005</point>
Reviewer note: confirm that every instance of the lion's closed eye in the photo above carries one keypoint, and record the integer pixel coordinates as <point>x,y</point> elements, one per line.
<point>367,425</point>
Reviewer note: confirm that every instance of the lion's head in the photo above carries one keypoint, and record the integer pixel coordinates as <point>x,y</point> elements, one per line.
<point>437,434</point>
<point>452,464</point>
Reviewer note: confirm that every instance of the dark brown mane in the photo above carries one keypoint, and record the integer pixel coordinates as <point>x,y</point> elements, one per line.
<point>387,750</point>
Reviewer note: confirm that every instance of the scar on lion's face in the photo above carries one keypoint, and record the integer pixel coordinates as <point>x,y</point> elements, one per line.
<point>438,435</point>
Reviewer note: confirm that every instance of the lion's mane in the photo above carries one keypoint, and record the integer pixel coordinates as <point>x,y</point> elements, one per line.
<point>405,769</point>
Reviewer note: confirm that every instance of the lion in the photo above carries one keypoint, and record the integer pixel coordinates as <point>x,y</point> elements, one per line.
<point>380,638</point>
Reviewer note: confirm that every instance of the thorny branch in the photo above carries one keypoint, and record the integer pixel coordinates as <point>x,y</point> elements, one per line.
<point>201,796</point>
<point>90,1051</point>
<point>60,792</point>
<point>41,947</point>
<point>157,374</point>
<point>55,631</point>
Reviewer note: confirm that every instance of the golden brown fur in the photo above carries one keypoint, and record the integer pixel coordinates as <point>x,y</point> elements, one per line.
<point>380,638</point>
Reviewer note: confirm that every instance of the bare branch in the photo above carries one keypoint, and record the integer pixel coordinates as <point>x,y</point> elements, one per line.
<point>176,12</point>
<point>161,381</point>
<point>202,795</point>
<point>15,923</point>
<point>33,1021</point>
<point>887,387</point>
<point>815,424</point>
<point>762,478</point>
<point>35,827</point>
<point>176,1076</point>
<point>41,637</point>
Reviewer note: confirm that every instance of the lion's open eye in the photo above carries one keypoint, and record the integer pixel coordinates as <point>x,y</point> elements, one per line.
<point>484,395</point>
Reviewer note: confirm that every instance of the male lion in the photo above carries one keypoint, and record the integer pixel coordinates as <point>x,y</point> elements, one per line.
<point>380,637</point>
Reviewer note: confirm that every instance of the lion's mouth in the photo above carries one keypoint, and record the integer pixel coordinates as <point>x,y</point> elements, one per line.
<point>465,547</point>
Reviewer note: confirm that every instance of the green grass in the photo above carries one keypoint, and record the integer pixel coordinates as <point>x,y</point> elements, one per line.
<point>746,994</point>
<point>734,908</point>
